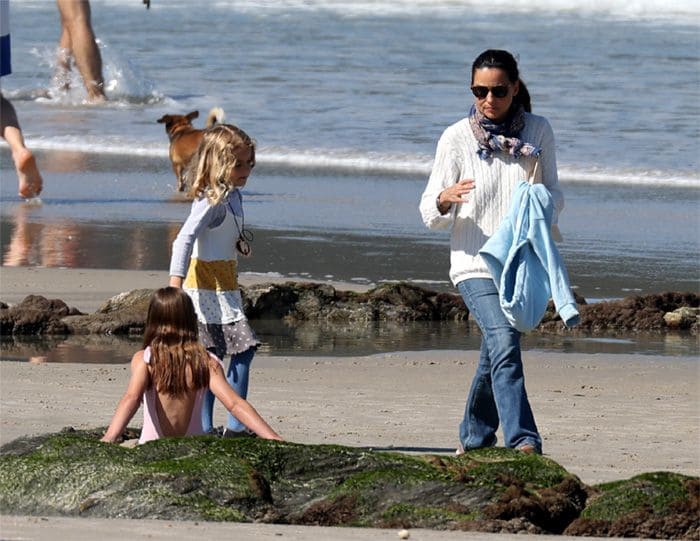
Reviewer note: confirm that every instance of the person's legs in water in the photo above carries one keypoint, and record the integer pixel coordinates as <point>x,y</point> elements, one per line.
<point>498,391</point>
<point>29,179</point>
<point>78,39</point>
<point>237,376</point>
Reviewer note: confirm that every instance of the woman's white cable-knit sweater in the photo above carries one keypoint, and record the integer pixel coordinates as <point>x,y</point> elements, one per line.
<point>475,220</point>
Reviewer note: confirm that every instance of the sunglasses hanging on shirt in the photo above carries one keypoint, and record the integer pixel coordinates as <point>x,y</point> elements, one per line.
<point>243,242</point>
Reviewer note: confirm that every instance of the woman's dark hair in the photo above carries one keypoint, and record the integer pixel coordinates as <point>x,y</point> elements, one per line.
<point>503,60</point>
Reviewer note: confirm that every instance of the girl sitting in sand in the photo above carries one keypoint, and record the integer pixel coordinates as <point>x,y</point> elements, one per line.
<point>173,373</point>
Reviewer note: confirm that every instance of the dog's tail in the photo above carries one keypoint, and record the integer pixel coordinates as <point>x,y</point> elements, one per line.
<point>216,116</point>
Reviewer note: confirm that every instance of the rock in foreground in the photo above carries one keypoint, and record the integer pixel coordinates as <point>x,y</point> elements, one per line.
<point>658,505</point>
<point>210,478</point>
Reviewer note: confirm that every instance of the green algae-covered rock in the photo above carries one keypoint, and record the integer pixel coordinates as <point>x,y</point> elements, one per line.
<point>659,505</point>
<point>211,478</point>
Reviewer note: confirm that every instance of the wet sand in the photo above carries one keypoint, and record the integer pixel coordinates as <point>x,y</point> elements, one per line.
<point>603,417</point>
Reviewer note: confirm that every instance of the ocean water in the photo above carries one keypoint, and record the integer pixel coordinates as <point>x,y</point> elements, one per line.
<point>346,101</point>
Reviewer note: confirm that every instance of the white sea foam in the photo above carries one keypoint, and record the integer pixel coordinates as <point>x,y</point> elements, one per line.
<point>678,10</point>
<point>638,9</point>
<point>420,167</point>
<point>105,147</point>
<point>342,162</point>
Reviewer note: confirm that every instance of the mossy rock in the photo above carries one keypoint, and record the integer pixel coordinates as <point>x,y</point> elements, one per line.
<point>653,490</point>
<point>659,505</point>
<point>212,478</point>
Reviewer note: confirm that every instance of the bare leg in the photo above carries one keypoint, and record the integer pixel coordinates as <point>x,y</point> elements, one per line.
<point>30,181</point>
<point>77,36</point>
<point>61,78</point>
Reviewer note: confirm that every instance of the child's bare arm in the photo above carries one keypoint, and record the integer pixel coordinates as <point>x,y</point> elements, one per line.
<point>238,406</point>
<point>129,404</point>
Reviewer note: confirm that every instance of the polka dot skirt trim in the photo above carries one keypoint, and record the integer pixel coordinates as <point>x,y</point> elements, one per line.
<point>228,339</point>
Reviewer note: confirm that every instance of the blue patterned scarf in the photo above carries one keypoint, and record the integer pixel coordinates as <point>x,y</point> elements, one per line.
<point>501,137</point>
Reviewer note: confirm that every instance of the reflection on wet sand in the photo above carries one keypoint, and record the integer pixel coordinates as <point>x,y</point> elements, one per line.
<point>312,339</point>
<point>68,244</point>
<point>64,160</point>
<point>34,244</point>
<point>90,349</point>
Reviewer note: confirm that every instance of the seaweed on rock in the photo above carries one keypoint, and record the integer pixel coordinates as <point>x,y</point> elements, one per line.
<point>212,478</point>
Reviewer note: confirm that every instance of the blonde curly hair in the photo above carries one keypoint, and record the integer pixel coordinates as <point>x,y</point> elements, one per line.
<point>209,172</point>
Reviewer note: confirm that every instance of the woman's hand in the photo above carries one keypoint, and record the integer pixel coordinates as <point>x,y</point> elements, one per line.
<point>454,194</point>
<point>175,281</point>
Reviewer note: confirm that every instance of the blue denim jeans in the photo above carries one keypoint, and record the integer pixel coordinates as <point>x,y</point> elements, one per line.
<point>498,390</point>
<point>237,376</point>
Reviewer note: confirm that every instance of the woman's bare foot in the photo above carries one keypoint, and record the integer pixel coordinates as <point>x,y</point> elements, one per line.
<point>30,181</point>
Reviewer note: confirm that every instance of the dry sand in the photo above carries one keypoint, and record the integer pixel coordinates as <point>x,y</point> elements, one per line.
<point>603,417</point>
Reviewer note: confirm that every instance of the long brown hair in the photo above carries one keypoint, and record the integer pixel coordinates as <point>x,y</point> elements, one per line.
<point>171,332</point>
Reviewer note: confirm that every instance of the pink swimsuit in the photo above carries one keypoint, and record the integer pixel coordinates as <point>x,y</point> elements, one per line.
<point>151,425</point>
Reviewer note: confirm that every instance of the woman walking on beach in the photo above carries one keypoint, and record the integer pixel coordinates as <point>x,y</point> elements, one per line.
<point>172,374</point>
<point>205,256</point>
<point>478,163</point>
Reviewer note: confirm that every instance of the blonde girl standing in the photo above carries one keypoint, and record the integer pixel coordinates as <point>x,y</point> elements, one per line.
<point>205,256</point>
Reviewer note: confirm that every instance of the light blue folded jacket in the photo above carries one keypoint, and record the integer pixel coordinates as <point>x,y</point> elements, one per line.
<point>525,262</point>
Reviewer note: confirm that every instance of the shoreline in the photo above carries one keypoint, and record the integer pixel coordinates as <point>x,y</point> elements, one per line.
<point>42,237</point>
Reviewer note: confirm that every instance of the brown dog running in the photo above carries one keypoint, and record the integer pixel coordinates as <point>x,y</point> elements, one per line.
<point>184,138</point>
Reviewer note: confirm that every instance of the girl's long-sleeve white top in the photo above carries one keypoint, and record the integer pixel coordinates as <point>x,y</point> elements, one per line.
<point>204,253</point>
<point>475,220</point>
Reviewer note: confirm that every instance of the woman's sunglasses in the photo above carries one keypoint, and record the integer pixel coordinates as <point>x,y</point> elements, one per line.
<point>500,91</point>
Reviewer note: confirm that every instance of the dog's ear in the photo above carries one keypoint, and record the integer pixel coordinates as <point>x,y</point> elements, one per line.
<point>164,119</point>
<point>192,115</point>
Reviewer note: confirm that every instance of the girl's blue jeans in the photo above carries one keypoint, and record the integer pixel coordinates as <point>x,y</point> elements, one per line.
<point>498,390</point>
<point>237,376</point>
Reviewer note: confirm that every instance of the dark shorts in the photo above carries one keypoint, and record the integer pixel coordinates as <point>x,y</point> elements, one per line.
<point>5,64</point>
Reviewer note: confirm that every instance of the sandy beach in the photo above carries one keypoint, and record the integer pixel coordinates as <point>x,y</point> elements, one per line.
<point>603,417</point>
<point>347,102</point>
